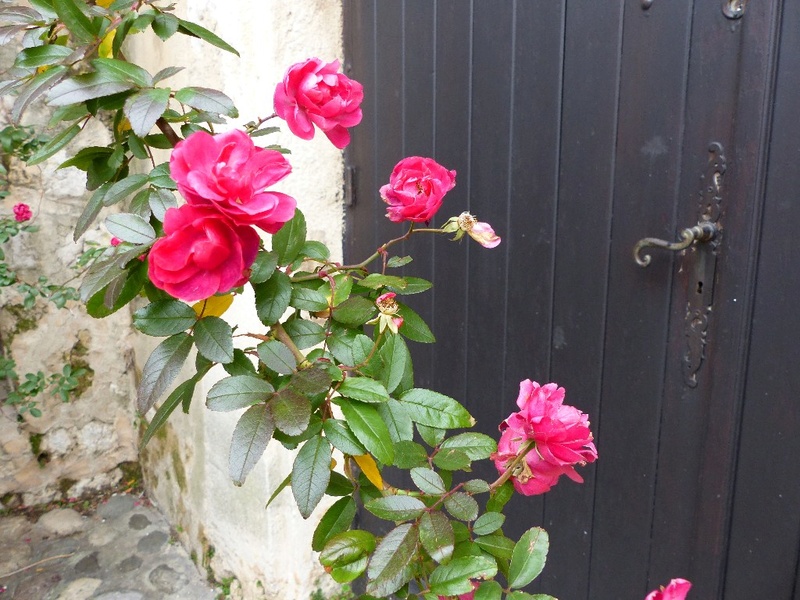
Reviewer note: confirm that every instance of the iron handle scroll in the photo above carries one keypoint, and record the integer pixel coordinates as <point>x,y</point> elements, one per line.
<point>702,232</point>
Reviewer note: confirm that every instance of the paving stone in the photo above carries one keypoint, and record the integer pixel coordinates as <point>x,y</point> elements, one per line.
<point>62,521</point>
<point>80,589</point>
<point>138,522</point>
<point>130,564</point>
<point>101,534</point>
<point>37,586</point>
<point>116,506</point>
<point>88,564</point>
<point>120,595</point>
<point>166,579</point>
<point>152,542</point>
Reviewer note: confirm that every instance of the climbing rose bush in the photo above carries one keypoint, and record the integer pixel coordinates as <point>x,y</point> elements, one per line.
<point>416,189</point>
<point>315,93</point>
<point>675,590</point>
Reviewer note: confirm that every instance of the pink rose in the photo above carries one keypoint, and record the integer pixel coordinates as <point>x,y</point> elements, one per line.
<point>115,241</point>
<point>22,212</point>
<point>415,189</point>
<point>560,433</point>
<point>230,173</point>
<point>203,253</point>
<point>315,93</point>
<point>675,590</point>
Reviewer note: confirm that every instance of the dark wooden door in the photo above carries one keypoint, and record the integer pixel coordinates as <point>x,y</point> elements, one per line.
<point>578,128</point>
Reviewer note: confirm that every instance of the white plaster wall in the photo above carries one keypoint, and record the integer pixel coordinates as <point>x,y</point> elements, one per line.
<point>228,528</point>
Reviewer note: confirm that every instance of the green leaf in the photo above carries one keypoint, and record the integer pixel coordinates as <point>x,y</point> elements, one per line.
<point>79,25</point>
<point>432,436</point>
<point>86,87</point>
<point>396,361</point>
<point>433,409</point>
<point>35,88</point>
<point>462,506</point>
<point>214,339</point>
<point>366,423</point>
<point>525,596</point>
<point>195,30</point>
<point>414,285</point>
<point>130,228</point>
<point>428,481</point>
<point>277,356</point>
<point>310,474</point>
<point>106,270</point>
<point>475,445</point>
<point>408,455</point>
<point>288,242</point>
<point>346,547</point>
<point>241,364</point>
<point>436,536</point>
<point>398,261</point>
<point>159,177</point>
<point>476,486</point>
<point>391,565</point>
<point>121,190</point>
<point>54,145</point>
<point>308,299</point>
<point>454,577</point>
<point>164,317</point>
<point>349,572</point>
<point>363,389</point>
<point>315,250</point>
<point>208,100</point>
<point>272,297</point>
<point>175,399</point>
<point>500,497</point>
<point>290,411</point>
<point>304,333</point>
<point>396,508</point>
<point>376,281</point>
<point>263,267</point>
<point>166,73</point>
<point>528,558</point>
<point>122,70</point>
<point>282,486</point>
<point>336,520</point>
<point>38,56</point>
<point>161,368</point>
<point>165,25</point>
<point>488,523</point>
<point>159,201</point>
<point>489,590</point>
<point>237,392</point>
<point>452,460</point>
<point>498,546</point>
<point>397,420</point>
<point>250,439</point>
<point>413,327</point>
<point>144,108</point>
<point>310,381</point>
<point>349,346</point>
<point>339,434</point>
<point>118,293</point>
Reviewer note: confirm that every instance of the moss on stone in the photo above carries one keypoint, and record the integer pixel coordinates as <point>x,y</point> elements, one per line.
<point>35,440</point>
<point>64,485</point>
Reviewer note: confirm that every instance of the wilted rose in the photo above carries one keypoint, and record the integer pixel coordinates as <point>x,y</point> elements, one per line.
<point>229,172</point>
<point>22,212</point>
<point>560,433</point>
<point>315,93</point>
<point>202,253</point>
<point>416,188</point>
<point>675,590</point>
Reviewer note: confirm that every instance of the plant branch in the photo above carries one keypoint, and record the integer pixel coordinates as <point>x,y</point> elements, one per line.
<point>284,337</point>
<point>168,131</point>
<point>523,450</point>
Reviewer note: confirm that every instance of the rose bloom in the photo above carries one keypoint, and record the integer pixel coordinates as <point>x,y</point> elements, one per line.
<point>675,590</point>
<point>229,172</point>
<point>415,189</point>
<point>560,432</point>
<point>22,212</point>
<point>203,253</point>
<point>315,93</point>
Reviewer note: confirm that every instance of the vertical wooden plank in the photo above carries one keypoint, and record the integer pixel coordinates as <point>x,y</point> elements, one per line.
<point>583,231</point>
<point>651,97</point>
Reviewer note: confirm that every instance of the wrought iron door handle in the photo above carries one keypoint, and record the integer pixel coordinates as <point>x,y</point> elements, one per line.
<point>702,232</point>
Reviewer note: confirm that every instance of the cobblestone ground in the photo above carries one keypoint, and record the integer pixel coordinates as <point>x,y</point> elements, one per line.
<point>123,551</point>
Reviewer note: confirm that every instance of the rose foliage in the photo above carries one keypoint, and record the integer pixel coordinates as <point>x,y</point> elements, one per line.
<point>329,371</point>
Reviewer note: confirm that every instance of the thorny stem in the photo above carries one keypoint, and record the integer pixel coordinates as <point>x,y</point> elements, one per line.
<point>521,453</point>
<point>168,131</point>
<point>284,337</point>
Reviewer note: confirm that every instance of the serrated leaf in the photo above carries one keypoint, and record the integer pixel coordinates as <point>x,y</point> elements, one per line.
<point>413,285</point>
<point>475,445</point>
<point>161,368</point>
<point>498,546</point>
<point>310,381</point>
<point>433,409</point>
<point>398,261</point>
<point>349,572</point>
<point>488,523</point>
<point>397,420</point>
<point>272,297</point>
<point>462,506</point>
<point>8,33</point>
<point>525,596</point>
<point>336,520</point>
<point>500,497</point>
<point>126,287</point>
<point>54,145</point>
<point>130,228</point>
<point>452,460</point>
<point>363,389</point>
<point>263,267</point>
<point>355,311</point>
<point>455,577</point>
<point>476,486</point>
<point>289,240</point>
<point>195,30</point>
<point>34,88</point>
<point>396,360</point>
<point>159,177</point>
<point>304,333</point>
<point>144,108</point>
<point>339,434</point>
<point>165,25</point>
<point>366,424</point>
<point>237,392</point>
<point>19,14</point>
<point>208,100</point>
<point>396,508</point>
<point>349,346</point>
<point>106,270</point>
<point>489,590</point>
<point>428,481</point>
<point>164,317</point>
<point>160,200</point>
<point>176,398</point>
<point>528,558</point>
<point>408,455</point>
<point>376,281</point>
<point>436,536</point>
<point>277,356</point>
<point>310,474</point>
<point>282,486</point>
<point>308,299</point>
<point>38,56</point>
<point>413,327</point>
<point>250,439</point>
<point>214,339</point>
<point>240,365</point>
<point>432,436</point>
<point>290,411</point>
<point>122,70</point>
<point>121,190</point>
<point>79,25</point>
<point>166,73</point>
<point>86,87</point>
<point>391,566</point>
<point>346,547</point>
<point>315,250</point>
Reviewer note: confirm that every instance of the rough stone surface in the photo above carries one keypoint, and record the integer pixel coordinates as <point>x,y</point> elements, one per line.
<point>80,589</point>
<point>138,522</point>
<point>63,521</point>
